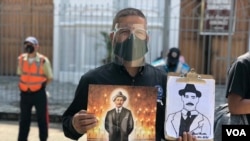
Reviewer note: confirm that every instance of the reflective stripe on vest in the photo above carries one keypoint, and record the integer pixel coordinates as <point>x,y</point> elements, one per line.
<point>32,76</point>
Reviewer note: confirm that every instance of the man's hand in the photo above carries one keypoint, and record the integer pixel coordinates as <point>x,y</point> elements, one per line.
<point>187,137</point>
<point>83,121</point>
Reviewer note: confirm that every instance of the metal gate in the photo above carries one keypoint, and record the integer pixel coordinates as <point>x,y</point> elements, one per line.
<point>213,33</point>
<point>207,51</point>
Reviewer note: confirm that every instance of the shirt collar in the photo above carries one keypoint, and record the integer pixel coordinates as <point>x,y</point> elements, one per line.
<point>120,109</point>
<point>141,69</point>
<point>37,58</point>
<point>184,112</point>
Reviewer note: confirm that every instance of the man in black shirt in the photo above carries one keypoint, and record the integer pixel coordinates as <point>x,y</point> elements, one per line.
<point>238,86</point>
<point>129,41</point>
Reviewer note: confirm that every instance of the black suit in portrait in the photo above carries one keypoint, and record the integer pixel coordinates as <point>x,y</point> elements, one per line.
<point>119,125</point>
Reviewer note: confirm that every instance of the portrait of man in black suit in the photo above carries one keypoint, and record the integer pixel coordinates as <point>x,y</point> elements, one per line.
<point>189,119</point>
<point>119,121</point>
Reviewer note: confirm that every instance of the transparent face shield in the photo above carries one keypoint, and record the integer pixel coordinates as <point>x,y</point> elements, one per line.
<point>130,44</point>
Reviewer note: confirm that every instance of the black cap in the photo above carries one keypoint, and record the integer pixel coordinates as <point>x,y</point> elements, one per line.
<point>173,55</point>
<point>190,88</point>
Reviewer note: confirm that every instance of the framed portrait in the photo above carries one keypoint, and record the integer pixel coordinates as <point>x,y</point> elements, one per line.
<point>190,108</point>
<point>123,112</point>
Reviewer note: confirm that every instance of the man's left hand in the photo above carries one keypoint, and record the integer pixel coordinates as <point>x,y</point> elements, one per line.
<point>187,137</point>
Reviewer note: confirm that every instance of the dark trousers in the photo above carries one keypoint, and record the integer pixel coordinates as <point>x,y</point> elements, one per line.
<point>28,100</point>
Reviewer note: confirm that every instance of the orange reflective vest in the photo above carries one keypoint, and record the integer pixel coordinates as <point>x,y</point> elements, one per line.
<point>32,76</point>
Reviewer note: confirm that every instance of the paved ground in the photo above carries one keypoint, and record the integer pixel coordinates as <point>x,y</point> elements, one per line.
<point>9,132</point>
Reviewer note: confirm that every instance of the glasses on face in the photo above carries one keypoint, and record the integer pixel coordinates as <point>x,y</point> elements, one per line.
<point>124,31</point>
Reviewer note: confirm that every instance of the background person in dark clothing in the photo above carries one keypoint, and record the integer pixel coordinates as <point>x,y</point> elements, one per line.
<point>35,73</point>
<point>173,62</point>
<point>238,86</point>
<point>129,40</point>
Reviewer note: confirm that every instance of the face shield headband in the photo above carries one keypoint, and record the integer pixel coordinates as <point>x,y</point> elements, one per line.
<point>130,45</point>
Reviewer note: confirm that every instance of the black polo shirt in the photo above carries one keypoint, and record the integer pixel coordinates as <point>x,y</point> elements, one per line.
<point>239,78</point>
<point>113,74</point>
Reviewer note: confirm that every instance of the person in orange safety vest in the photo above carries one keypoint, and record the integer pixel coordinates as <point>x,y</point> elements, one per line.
<point>35,73</point>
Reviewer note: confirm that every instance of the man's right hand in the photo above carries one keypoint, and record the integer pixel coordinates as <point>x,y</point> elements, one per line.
<point>83,121</point>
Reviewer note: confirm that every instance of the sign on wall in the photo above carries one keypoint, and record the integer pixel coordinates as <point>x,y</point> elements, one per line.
<point>217,17</point>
